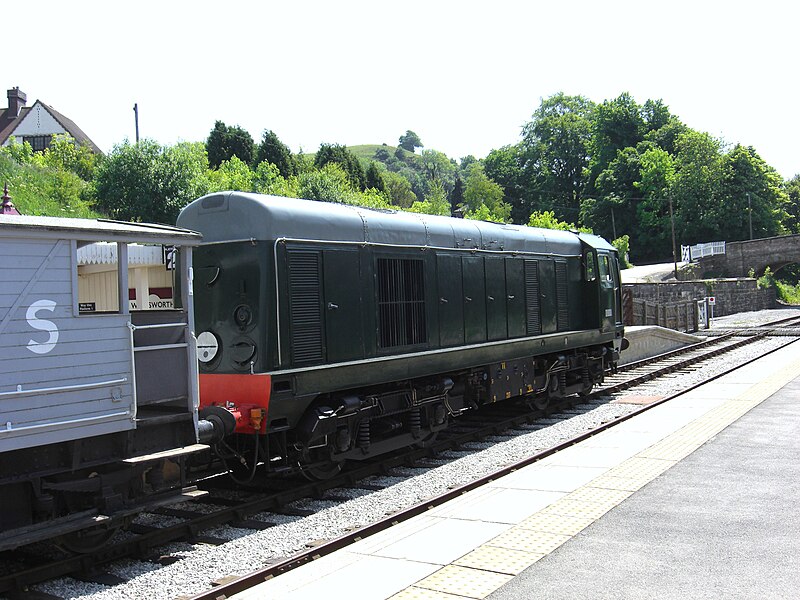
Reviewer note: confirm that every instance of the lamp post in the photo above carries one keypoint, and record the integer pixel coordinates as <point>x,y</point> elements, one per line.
<point>750,214</point>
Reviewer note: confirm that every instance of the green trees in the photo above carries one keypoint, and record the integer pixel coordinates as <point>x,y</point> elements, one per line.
<point>555,153</point>
<point>614,167</point>
<point>410,141</point>
<point>349,163</point>
<point>481,192</point>
<point>148,182</point>
<point>274,151</point>
<point>225,142</point>
<point>373,178</point>
<point>792,221</point>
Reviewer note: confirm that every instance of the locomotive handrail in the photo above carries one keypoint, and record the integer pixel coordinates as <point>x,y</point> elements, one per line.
<point>63,388</point>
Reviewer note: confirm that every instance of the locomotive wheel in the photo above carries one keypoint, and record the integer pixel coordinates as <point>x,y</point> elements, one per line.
<point>323,471</point>
<point>541,402</point>
<point>86,540</point>
<point>427,441</point>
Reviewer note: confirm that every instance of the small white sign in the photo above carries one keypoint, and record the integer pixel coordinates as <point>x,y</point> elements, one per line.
<point>712,300</point>
<point>168,257</point>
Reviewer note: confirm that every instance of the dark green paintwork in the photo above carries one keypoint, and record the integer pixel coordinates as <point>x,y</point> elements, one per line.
<point>476,302</point>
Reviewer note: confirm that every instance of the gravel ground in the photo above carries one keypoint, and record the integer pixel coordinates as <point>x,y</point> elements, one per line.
<point>754,318</point>
<point>247,551</point>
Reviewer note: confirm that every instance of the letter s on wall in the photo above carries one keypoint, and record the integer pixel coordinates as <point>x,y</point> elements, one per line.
<point>44,325</point>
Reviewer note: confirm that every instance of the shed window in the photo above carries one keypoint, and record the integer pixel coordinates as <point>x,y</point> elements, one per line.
<point>401,302</point>
<point>98,277</point>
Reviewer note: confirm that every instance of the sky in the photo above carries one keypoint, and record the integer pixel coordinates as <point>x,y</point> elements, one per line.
<point>465,76</point>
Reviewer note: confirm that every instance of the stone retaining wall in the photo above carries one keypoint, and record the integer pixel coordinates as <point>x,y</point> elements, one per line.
<point>732,295</point>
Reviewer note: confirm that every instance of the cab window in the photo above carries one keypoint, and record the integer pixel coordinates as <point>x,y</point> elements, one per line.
<point>605,268</point>
<point>590,265</point>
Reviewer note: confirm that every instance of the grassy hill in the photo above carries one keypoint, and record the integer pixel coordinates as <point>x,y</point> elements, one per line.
<point>366,152</point>
<point>42,190</point>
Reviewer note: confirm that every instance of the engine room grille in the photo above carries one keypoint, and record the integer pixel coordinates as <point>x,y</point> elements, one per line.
<point>532,308</point>
<point>305,307</point>
<point>401,302</point>
<point>561,296</point>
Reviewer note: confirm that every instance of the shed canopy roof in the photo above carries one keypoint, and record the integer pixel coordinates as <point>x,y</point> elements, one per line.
<point>92,230</point>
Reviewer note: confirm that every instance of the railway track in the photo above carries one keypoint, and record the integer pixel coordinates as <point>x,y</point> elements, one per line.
<point>256,509</point>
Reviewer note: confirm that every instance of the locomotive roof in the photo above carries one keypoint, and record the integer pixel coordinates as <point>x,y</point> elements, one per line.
<point>95,230</point>
<point>229,216</point>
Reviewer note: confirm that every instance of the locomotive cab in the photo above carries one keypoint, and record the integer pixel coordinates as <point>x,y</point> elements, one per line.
<point>604,288</point>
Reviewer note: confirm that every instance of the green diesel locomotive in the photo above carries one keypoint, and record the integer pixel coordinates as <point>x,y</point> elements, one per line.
<point>334,333</point>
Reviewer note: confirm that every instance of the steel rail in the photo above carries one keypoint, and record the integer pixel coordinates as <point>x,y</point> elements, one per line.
<point>276,500</point>
<point>241,584</point>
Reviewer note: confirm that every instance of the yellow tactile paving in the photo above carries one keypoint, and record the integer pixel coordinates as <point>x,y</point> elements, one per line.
<point>483,570</point>
<point>553,523</point>
<point>580,508</point>
<point>416,593</point>
<point>611,482</point>
<point>638,467</point>
<point>499,560</point>
<point>528,540</point>
<point>673,449</point>
<point>463,581</point>
<point>590,493</point>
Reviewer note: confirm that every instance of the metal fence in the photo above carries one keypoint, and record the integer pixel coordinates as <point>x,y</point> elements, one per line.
<point>690,253</point>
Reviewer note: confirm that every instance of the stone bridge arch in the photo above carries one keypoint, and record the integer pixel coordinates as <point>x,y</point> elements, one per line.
<point>741,257</point>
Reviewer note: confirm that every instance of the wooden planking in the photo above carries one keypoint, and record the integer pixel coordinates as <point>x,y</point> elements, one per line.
<point>34,247</point>
<point>15,288</point>
<point>37,378</point>
<point>18,333</point>
<point>29,264</point>
<point>62,406</point>
<point>102,289</point>
<point>51,274</point>
<point>78,354</point>
<point>39,401</point>
<point>63,433</point>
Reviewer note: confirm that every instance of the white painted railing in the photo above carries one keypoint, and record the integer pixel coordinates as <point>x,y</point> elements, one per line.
<point>690,253</point>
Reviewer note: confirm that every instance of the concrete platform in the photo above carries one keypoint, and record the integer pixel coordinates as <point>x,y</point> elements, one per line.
<point>651,340</point>
<point>667,504</point>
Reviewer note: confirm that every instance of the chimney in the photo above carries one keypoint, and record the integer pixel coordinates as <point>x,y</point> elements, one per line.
<point>16,100</point>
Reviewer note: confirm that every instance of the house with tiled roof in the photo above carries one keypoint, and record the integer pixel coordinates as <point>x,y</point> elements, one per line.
<point>36,124</point>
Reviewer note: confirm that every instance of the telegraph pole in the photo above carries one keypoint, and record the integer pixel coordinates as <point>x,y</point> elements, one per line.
<point>750,214</point>
<point>674,253</point>
<point>613,223</point>
<point>136,118</point>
